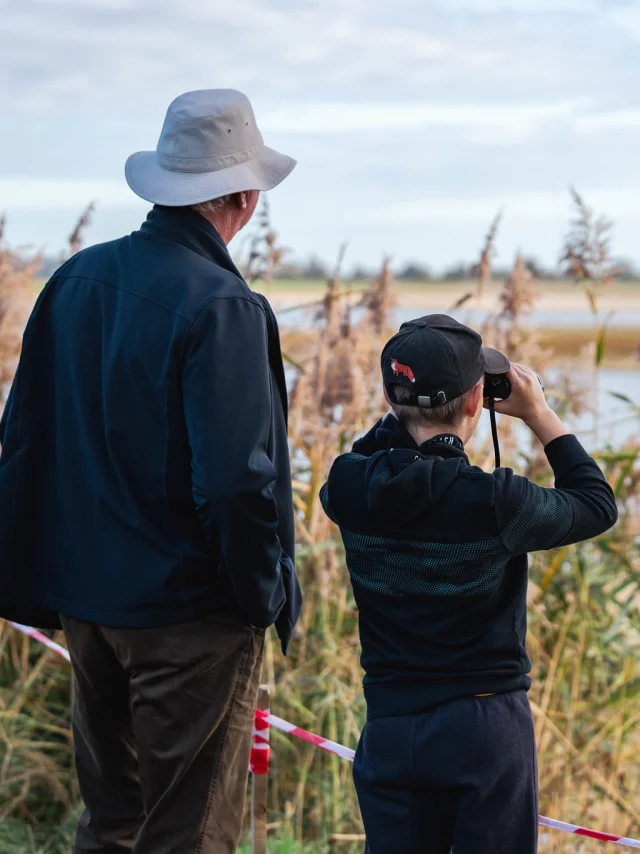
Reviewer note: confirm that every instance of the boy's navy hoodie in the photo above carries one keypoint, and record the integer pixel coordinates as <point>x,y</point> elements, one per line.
<point>437,553</point>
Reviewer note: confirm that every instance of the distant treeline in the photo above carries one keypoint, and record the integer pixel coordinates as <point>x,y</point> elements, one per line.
<point>314,268</point>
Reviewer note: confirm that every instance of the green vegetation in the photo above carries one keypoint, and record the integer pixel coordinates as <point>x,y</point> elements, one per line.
<point>584,634</point>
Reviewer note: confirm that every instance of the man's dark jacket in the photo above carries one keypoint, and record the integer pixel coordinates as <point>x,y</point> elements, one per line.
<point>437,553</point>
<point>144,475</point>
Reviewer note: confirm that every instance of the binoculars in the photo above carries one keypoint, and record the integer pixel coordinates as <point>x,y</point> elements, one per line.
<point>498,387</point>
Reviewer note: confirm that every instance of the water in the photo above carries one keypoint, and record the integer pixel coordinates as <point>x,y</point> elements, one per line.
<point>616,421</point>
<point>542,318</point>
<point>612,423</point>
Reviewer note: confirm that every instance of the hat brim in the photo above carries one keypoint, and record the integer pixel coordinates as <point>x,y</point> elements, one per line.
<point>162,186</point>
<point>495,361</point>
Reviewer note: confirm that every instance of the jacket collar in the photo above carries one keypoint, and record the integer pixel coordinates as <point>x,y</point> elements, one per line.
<point>388,433</point>
<point>190,229</point>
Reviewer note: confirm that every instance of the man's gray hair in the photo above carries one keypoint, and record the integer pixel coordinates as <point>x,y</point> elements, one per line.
<point>212,206</point>
<point>447,415</point>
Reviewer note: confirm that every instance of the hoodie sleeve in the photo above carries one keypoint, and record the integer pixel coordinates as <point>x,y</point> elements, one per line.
<point>368,444</point>
<point>227,404</point>
<point>581,506</point>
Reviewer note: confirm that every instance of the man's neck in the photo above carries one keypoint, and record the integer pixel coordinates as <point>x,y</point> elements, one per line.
<point>223,224</point>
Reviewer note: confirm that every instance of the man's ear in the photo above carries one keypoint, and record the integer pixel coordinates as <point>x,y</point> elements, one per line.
<point>248,199</point>
<point>241,200</point>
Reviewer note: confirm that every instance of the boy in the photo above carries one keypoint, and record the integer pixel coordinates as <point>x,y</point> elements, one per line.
<point>437,553</point>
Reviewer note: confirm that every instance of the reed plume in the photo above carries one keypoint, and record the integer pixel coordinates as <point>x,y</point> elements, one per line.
<point>483,268</point>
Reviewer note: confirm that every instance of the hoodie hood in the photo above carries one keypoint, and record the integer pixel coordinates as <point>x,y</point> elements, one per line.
<point>402,479</point>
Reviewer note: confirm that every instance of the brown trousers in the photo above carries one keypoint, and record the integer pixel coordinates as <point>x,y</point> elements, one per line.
<point>162,733</point>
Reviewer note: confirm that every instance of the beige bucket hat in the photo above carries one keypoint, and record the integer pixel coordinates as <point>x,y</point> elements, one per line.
<point>209,146</point>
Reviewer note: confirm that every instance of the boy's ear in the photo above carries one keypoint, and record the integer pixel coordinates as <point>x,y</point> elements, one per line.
<point>475,400</point>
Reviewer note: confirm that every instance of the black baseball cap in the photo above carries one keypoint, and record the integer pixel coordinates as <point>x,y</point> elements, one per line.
<point>438,359</point>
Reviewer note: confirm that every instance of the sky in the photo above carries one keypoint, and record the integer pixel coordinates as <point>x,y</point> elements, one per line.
<point>413,121</point>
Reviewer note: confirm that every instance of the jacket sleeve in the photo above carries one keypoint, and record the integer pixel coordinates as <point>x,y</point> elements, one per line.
<point>227,403</point>
<point>5,414</point>
<point>582,504</point>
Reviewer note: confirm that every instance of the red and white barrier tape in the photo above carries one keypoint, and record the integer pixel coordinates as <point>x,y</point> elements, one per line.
<point>592,834</point>
<point>260,750</point>
<point>323,743</point>
<point>43,639</point>
<point>348,753</point>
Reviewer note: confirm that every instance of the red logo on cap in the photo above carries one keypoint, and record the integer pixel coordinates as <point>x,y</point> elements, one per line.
<point>398,369</point>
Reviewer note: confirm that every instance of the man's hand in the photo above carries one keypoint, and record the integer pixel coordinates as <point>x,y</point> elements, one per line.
<point>527,401</point>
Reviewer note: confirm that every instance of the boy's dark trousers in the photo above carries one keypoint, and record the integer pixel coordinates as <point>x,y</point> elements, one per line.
<point>462,777</point>
<point>162,726</point>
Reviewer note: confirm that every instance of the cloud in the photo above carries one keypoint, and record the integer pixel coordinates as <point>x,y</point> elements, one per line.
<point>514,119</point>
<point>529,207</point>
<point>273,47</point>
<point>628,18</point>
<point>625,119</point>
<point>523,6</point>
<point>480,101</point>
<point>21,193</point>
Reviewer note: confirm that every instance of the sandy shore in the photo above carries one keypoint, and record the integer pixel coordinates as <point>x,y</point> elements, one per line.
<point>552,296</point>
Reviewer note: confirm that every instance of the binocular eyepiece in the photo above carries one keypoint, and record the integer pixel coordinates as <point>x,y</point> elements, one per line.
<point>498,387</point>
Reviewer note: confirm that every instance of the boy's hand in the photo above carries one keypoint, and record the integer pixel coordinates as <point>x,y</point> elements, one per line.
<point>527,397</point>
<point>527,401</point>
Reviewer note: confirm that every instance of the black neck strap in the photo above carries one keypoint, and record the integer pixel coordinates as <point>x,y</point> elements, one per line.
<point>494,430</point>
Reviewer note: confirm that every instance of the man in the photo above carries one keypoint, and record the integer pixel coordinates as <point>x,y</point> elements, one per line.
<point>145,496</point>
<point>437,553</point>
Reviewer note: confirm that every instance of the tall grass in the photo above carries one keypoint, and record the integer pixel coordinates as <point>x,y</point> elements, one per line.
<point>584,635</point>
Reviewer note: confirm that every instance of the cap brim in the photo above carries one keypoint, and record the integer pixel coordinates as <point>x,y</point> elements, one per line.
<point>161,186</point>
<point>495,361</point>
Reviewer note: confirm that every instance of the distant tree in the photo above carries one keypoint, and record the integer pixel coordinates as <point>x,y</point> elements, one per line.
<point>288,270</point>
<point>315,268</point>
<point>415,271</point>
<point>536,269</point>
<point>360,273</point>
<point>626,270</point>
<point>457,272</point>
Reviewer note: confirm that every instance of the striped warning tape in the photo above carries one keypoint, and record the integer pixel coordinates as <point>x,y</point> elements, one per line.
<point>43,639</point>
<point>260,750</point>
<point>583,831</point>
<point>348,753</point>
<point>305,735</point>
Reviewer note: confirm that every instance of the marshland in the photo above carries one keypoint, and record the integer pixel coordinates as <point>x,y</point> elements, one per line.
<point>581,333</point>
